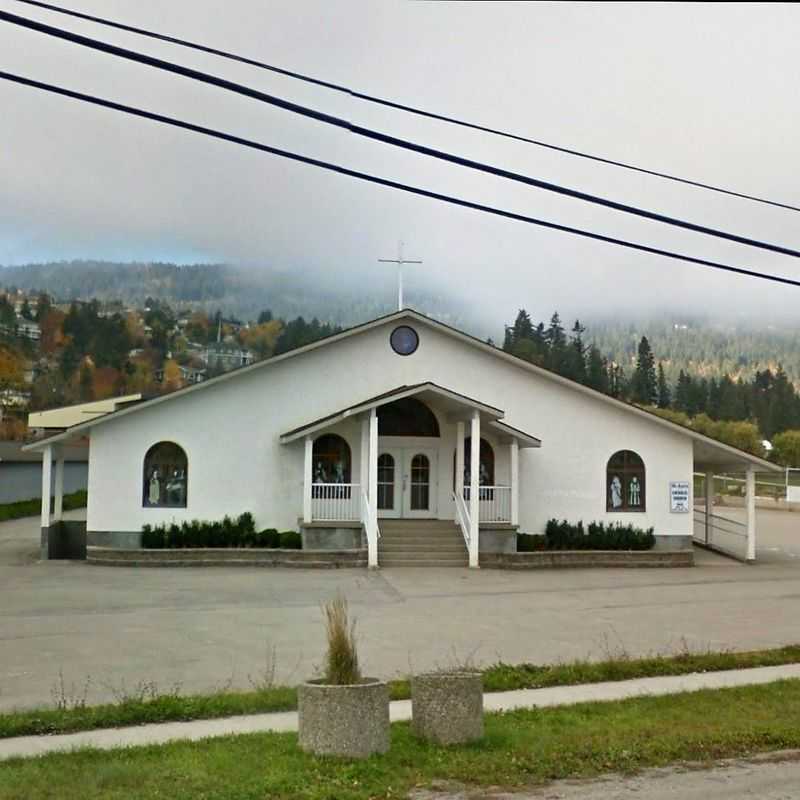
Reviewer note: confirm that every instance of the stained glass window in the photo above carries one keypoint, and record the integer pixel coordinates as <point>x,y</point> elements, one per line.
<point>625,482</point>
<point>166,473</point>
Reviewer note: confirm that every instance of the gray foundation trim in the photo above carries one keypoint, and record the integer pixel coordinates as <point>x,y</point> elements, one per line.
<point>672,543</point>
<point>497,540</point>
<point>125,540</point>
<point>316,536</point>
<point>64,540</point>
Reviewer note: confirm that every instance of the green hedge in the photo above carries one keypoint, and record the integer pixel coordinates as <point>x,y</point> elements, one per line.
<point>238,532</point>
<point>563,535</point>
<point>32,507</point>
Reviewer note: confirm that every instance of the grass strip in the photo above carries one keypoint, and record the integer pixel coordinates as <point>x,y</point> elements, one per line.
<point>143,707</point>
<point>33,507</point>
<point>520,749</point>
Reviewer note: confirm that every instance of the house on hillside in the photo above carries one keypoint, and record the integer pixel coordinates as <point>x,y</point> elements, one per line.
<point>227,356</point>
<point>402,422</point>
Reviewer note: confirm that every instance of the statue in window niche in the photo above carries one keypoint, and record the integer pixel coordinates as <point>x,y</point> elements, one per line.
<point>634,492</point>
<point>154,488</point>
<point>319,473</point>
<point>616,492</point>
<point>175,487</point>
<point>483,477</point>
<point>338,472</point>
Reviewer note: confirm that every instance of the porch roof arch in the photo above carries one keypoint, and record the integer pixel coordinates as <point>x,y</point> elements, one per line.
<point>454,405</point>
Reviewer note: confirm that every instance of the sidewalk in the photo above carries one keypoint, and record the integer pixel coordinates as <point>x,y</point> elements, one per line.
<point>286,721</point>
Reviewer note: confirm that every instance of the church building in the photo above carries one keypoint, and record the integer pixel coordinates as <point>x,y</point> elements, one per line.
<point>402,423</point>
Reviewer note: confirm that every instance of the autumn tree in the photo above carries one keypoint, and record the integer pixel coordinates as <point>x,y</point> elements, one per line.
<point>786,448</point>
<point>172,376</point>
<point>261,339</point>
<point>52,334</point>
<point>11,368</point>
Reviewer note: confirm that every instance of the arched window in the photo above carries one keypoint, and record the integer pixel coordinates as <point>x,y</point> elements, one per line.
<point>166,474</point>
<point>625,482</point>
<point>486,461</point>
<point>407,417</point>
<point>331,459</point>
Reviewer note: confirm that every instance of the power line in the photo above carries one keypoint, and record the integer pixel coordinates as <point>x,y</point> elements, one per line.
<point>402,106</point>
<point>457,201</point>
<point>383,138</point>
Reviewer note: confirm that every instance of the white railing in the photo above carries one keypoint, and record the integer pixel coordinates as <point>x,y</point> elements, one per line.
<point>494,503</point>
<point>336,501</point>
<point>728,536</point>
<point>462,517</point>
<point>369,516</point>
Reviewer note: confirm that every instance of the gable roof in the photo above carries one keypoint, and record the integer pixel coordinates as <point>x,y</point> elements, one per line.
<point>707,442</point>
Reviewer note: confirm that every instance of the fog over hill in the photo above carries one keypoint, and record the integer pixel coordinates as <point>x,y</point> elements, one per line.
<point>700,343</point>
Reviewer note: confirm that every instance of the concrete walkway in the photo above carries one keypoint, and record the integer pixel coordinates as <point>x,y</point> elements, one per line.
<point>108,739</point>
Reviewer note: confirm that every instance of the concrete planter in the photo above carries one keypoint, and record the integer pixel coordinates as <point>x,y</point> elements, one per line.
<point>447,707</point>
<point>350,721</point>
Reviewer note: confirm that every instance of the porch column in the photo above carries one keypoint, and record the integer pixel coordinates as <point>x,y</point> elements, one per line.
<point>58,510</point>
<point>750,501</point>
<point>460,460</point>
<point>47,467</point>
<point>373,459</point>
<point>474,487</point>
<point>709,503</point>
<point>514,458</point>
<point>308,476</point>
<point>364,471</point>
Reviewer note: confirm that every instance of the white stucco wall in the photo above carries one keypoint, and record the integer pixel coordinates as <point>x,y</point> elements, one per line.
<point>231,430</point>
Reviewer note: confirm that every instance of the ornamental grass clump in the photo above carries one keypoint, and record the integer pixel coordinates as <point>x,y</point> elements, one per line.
<point>341,660</point>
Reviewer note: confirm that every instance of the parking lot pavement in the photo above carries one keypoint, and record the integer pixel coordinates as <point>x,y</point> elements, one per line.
<point>206,628</point>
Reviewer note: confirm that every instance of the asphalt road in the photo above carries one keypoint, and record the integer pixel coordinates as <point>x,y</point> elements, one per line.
<point>203,629</point>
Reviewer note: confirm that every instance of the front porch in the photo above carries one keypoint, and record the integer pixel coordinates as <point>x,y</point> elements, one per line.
<point>420,452</point>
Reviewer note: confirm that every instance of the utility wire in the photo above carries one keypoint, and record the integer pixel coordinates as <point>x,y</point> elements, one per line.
<point>177,123</point>
<point>383,138</point>
<point>400,106</point>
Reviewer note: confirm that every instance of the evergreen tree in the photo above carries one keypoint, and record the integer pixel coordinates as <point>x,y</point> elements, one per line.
<point>25,312</point>
<point>664,396</point>
<point>575,357</point>
<point>597,370</point>
<point>556,341</point>
<point>523,327</point>
<point>644,385</point>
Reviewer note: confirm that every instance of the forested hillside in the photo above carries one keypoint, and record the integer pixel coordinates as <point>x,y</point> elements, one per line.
<point>702,347</point>
<point>239,292</point>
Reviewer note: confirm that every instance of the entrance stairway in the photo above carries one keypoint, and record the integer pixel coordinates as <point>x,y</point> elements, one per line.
<point>421,543</point>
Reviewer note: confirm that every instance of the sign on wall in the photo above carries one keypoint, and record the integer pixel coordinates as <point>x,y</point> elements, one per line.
<point>679,497</point>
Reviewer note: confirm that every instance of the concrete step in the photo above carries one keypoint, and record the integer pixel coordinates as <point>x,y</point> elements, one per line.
<point>421,537</point>
<point>427,554</point>
<point>402,562</point>
<point>458,550</point>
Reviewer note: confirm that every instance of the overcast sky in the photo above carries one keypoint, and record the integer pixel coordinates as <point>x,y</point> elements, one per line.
<point>704,91</point>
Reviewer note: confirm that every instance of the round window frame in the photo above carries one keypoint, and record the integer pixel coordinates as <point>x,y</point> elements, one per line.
<point>395,348</point>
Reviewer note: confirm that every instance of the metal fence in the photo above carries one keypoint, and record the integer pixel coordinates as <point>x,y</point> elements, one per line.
<point>727,536</point>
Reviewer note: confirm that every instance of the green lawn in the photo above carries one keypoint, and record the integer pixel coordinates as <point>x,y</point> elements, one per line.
<point>153,707</point>
<point>32,507</point>
<point>520,748</point>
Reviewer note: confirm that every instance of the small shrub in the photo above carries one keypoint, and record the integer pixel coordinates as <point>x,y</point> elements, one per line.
<point>341,660</point>
<point>530,542</point>
<point>228,532</point>
<point>291,540</point>
<point>563,535</point>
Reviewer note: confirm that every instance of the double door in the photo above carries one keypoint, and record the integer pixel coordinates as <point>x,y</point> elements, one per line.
<point>407,482</point>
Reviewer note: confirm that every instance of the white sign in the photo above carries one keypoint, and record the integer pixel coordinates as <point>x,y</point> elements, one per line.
<point>679,497</point>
